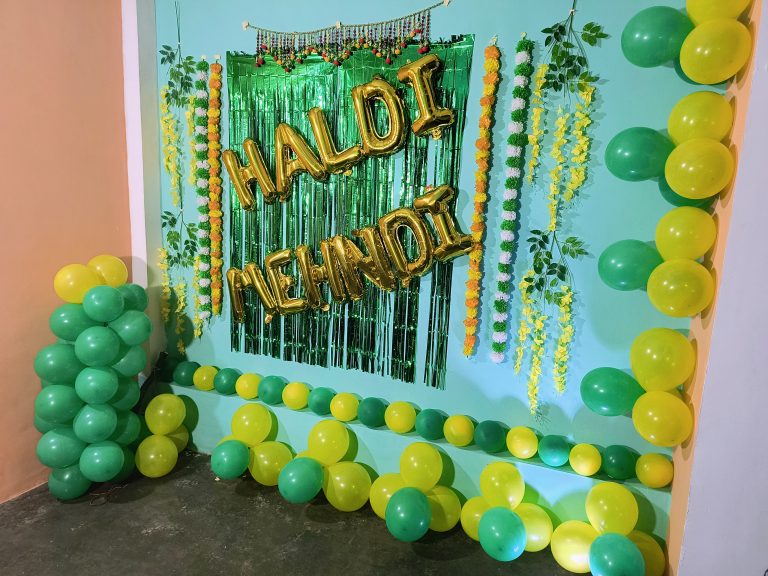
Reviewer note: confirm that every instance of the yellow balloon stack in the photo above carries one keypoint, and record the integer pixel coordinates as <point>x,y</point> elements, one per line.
<point>158,453</point>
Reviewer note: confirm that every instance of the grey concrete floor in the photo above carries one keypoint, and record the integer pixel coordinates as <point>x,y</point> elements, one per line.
<point>188,524</point>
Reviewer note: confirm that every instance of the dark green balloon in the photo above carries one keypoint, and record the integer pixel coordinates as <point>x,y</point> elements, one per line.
<point>619,462</point>
<point>42,425</point>
<point>131,362</point>
<point>502,534</point>
<point>554,450</point>
<point>491,436</point>
<point>57,403</point>
<point>654,36</point>
<point>371,412</point>
<point>135,297</point>
<point>95,422</point>
<point>638,154</point>
<point>627,264</point>
<point>229,459</point>
<point>97,346</point>
<point>59,448</point>
<point>612,554</point>
<point>69,320</point>
<point>68,483</point>
<point>271,390</point>
<point>609,391</point>
<point>301,479</point>
<point>129,465</point>
<point>102,461</point>
<point>319,400</point>
<point>97,384</point>
<point>132,327</point>
<point>408,514</point>
<point>127,428</point>
<point>58,364</point>
<point>184,372</point>
<point>127,395</point>
<point>430,423</point>
<point>103,303</point>
<point>676,200</point>
<point>225,380</point>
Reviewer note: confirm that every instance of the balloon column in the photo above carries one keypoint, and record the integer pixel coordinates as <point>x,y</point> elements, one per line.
<point>88,377</point>
<point>157,454</point>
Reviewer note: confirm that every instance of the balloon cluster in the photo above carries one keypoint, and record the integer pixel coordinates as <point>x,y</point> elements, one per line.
<point>88,377</point>
<point>157,454</point>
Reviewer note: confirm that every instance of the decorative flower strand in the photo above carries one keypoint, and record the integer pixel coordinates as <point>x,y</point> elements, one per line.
<point>539,337</point>
<point>169,124</point>
<point>526,321</point>
<point>537,120</point>
<point>180,291</point>
<point>511,203</point>
<point>561,160</point>
<point>165,283</point>
<point>214,187</point>
<point>582,142</point>
<point>202,265</point>
<point>563,347</point>
<point>482,158</point>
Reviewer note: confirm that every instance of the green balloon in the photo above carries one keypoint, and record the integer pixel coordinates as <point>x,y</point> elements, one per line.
<point>676,200</point>
<point>619,462</point>
<point>371,412</point>
<point>554,450</point>
<point>42,425</point>
<point>301,479</point>
<point>69,320</point>
<point>271,390</point>
<point>627,264</point>
<point>103,303</point>
<point>58,404</point>
<point>408,514</point>
<point>131,361</point>
<point>59,448</point>
<point>95,422</point>
<point>609,391</point>
<point>97,346</point>
<point>58,364</point>
<point>502,534</point>
<point>97,384</point>
<point>68,483</point>
<point>638,154</point>
<point>132,327</point>
<point>491,436</point>
<point>127,428</point>
<point>319,400</point>
<point>430,423</point>
<point>229,459</point>
<point>225,380</point>
<point>184,372</point>
<point>129,465</point>
<point>135,297</point>
<point>127,395</point>
<point>612,554</point>
<point>654,36</point>
<point>102,461</point>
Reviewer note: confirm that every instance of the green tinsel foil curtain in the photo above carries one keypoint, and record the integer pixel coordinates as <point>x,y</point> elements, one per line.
<point>378,334</point>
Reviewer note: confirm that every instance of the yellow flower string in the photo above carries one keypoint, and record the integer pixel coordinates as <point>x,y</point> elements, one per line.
<point>169,125</point>
<point>581,144</point>
<point>197,320</point>
<point>563,347</point>
<point>526,321</point>
<point>180,290</point>
<point>561,160</point>
<point>539,339</point>
<point>214,186</point>
<point>537,121</point>
<point>165,282</point>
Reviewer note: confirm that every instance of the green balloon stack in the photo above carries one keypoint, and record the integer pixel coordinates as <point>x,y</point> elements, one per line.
<point>89,388</point>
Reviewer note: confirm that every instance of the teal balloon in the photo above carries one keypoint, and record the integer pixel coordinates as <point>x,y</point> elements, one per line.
<point>229,459</point>
<point>609,391</point>
<point>95,422</point>
<point>184,372</point>
<point>491,436</point>
<point>131,361</point>
<point>42,425</point>
<point>225,380</point>
<point>502,534</point>
<point>638,154</point>
<point>619,462</point>
<point>408,514</point>
<point>676,200</point>
<point>134,296</point>
<point>97,346</point>
<point>68,483</point>
<point>370,412</point>
<point>127,428</point>
<point>627,264</point>
<point>57,403</point>
<point>271,390</point>
<point>102,461</point>
<point>615,555</point>
<point>554,450</point>
<point>430,423</point>
<point>319,400</point>
<point>58,364</point>
<point>59,448</point>
<point>103,303</point>
<point>97,384</point>
<point>654,36</point>
<point>129,465</point>
<point>301,480</point>
<point>127,395</point>
<point>68,321</point>
<point>132,327</point>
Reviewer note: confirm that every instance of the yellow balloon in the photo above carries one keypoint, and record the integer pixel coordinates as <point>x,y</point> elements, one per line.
<point>73,281</point>
<point>347,486</point>
<point>680,288</point>
<point>344,406</point>
<point>471,513</point>
<point>685,232</point>
<point>459,430</point>
<point>204,376</point>
<point>585,459</point>
<point>654,470</point>
<point>715,51</point>
<point>381,491</point>
<point>267,461</point>
<point>400,417</point>
<point>446,508</point>
<point>662,419</point>
<point>522,442</point>
<point>538,526</point>
<point>661,359</point>
<point>421,466</point>
<point>328,441</point>
<point>699,168</point>
<point>180,437</point>
<point>612,508</point>
<point>700,115</point>
<point>295,395</point>
<point>570,545</point>
<point>501,484</point>
<point>247,386</point>
<point>251,424</point>
<point>702,10</point>
<point>164,414</point>
<point>655,560</point>
<point>111,269</point>
<point>156,456</point>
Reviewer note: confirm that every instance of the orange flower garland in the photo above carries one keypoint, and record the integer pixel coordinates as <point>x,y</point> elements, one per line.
<point>482,158</point>
<point>214,185</point>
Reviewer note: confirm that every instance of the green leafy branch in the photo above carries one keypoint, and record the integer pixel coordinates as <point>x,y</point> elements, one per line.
<point>180,74</point>
<point>180,239</point>
<point>550,264</point>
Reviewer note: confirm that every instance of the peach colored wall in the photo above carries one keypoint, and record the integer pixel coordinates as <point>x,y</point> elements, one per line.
<point>64,187</point>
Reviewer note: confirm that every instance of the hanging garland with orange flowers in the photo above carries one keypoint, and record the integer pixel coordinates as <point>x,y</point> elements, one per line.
<point>214,186</point>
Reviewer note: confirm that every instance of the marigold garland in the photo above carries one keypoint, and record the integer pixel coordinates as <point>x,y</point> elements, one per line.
<point>482,158</point>
<point>214,187</point>
<point>537,120</point>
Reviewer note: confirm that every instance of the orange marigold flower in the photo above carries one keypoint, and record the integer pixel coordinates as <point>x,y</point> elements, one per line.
<point>491,78</point>
<point>490,52</point>
<point>489,100</point>
<point>483,144</point>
